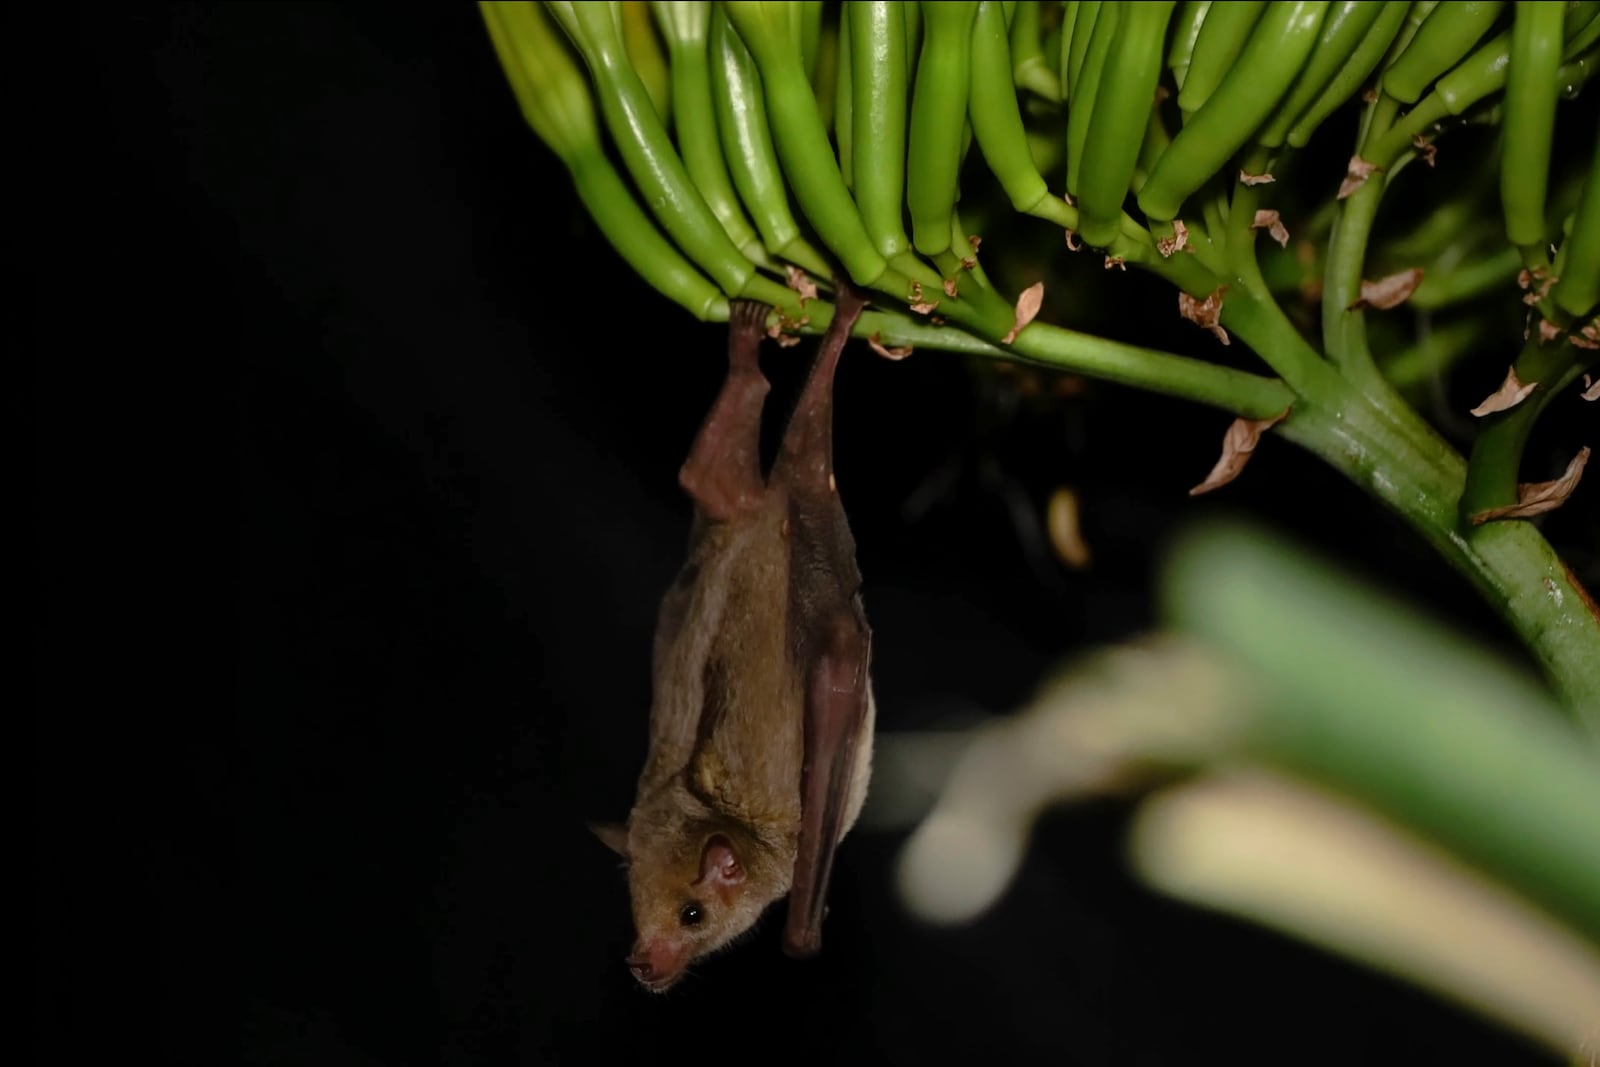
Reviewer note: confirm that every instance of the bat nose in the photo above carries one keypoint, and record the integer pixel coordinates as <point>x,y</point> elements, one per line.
<point>656,965</point>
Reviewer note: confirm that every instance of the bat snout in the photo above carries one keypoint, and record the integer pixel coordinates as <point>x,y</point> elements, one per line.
<point>656,965</point>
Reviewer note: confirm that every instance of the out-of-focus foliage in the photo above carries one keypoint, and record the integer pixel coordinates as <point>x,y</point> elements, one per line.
<point>1318,759</point>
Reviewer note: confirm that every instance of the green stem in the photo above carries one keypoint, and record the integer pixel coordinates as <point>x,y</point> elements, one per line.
<point>1241,240</point>
<point>1480,273</point>
<point>1344,332</point>
<point>1510,563</point>
<point>1240,392</point>
<point>1261,324</point>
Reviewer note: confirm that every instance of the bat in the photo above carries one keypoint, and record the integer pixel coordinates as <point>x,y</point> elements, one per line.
<point>761,711</point>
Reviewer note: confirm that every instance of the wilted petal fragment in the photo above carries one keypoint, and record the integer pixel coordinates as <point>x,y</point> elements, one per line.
<point>1238,444</point>
<point>1388,292</point>
<point>1512,392</point>
<point>1269,221</point>
<point>1536,498</point>
<point>897,352</point>
<point>1356,174</point>
<point>1028,305</point>
<point>1066,530</point>
<point>1207,313</point>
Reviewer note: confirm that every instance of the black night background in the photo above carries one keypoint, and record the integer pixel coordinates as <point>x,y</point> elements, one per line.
<point>355,495</point>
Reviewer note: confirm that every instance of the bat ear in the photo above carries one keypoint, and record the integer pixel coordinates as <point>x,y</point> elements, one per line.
<point>720,866</point>
<point>614,835</point>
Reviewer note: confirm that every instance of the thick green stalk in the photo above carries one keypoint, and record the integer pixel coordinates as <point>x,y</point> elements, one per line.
<point>1374,438</point>
<point>1509,562</point>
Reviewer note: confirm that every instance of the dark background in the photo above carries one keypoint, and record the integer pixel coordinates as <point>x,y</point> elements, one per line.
<point>356,452</point>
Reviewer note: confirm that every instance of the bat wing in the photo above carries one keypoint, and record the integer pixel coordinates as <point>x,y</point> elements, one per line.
<point>835,714</point>
<point>833,643</point>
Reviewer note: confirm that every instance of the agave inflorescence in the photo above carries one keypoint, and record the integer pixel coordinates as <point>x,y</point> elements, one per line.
<point>767,146</point>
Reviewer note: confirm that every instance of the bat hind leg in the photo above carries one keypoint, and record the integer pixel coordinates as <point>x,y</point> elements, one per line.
<point>805,459</point>
<point>723,471</point>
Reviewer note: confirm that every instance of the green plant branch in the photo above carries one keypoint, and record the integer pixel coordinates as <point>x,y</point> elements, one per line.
<point>1510,563</point>
<point>1261,324</point>
<point>1478,275</point>
<point>1239,392</point>
<point>1247,200</point>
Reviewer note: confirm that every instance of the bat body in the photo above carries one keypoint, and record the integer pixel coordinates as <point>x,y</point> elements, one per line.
<point>761,713</point>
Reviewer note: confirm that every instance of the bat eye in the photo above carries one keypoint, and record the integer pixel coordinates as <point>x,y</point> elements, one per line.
<point>692,914</point>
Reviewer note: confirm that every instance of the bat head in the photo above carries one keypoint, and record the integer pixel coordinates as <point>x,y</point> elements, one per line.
<point>695,889</point>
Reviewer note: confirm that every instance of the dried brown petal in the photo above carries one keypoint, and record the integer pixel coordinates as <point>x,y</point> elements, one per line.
<point>1028,305</point>
<point>1590,392</point>
<point>1425,148</point>
<point>1207,313</point>
<point>1178,241</point>
<point>975,240</point>
<point>1255,179</point>
<point>1116,261</point>
<point>1269,221</point>
<point>969,263</point>
<point>897,353</point>
<point>1548,331</point>
<point>1238,444</point>
<point>917,302</point>
<point>1588,337</point>
<point>801,284</point>
<point>1536,498</point>
<point>1537,281</point>
<point>950,287</point>
<point>1356,174</point>
<point>1388,292</point>
<point>1512,392</point>
<point>779,330</point>
<point>1066,530</point>
<point>1370,96</point>
<point>1073,244</point>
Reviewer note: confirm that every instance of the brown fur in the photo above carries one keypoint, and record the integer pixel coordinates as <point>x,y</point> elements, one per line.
<point>765,603</point>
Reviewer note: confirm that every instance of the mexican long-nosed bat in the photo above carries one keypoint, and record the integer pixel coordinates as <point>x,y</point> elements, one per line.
<point>761,713</point>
